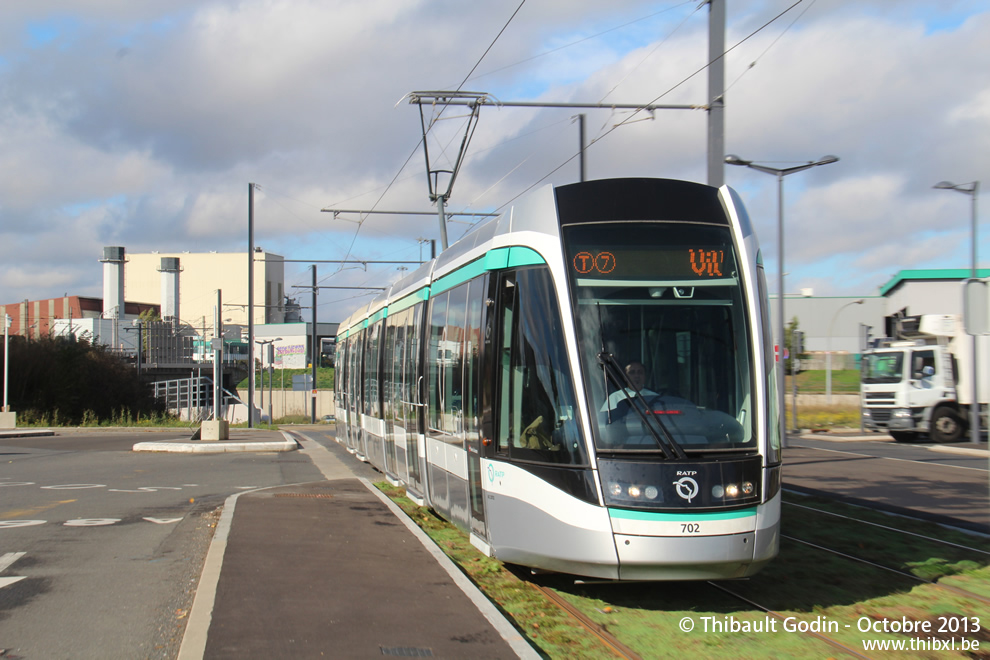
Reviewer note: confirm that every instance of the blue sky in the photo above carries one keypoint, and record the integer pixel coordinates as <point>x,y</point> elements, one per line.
<point>140,124</point>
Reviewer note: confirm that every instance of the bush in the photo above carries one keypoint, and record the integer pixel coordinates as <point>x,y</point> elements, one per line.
<point>62,381</point>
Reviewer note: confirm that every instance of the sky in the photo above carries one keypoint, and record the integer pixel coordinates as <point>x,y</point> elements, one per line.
<point>141,124</point>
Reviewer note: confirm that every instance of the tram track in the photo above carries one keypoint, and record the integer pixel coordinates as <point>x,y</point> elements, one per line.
<point>910,576</point>
<point>595,629</point>
<point>888,527</point>
<point>780,617</point>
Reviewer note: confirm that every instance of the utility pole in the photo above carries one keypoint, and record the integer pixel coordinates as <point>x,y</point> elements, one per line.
<point>250,289</point>
<point>583,169</point>
<point>716,92</point>
<point>315,352</point>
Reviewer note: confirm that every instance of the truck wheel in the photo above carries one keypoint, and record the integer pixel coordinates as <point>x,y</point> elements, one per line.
<point>946,426</point>
<point>903,436</point>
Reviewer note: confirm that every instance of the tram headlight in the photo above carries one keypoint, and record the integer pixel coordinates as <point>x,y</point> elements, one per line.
<point>732,490</point>
<point>620,492</point>
<point>718,492</point>
<point>747,488</point>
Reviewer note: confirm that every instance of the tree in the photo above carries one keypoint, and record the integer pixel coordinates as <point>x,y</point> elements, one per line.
<point>75,378</point>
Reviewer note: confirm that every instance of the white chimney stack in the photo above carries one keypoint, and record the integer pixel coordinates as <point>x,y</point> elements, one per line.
<point>170,289</point>
<point>113,282</point>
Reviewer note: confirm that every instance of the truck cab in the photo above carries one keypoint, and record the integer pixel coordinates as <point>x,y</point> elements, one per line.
<point>909,383</point>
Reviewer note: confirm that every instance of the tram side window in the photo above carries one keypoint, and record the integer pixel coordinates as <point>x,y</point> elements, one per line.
<point>436,360</point>
<point>769,368</point>
<point>371,391</point>
<point>453,356</point>
<point>354,373</point>
<point>537,416</point>
<point>472,358</point>
<point>393,351</point>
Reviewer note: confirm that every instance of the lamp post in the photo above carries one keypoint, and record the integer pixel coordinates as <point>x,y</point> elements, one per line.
<point>828,350</point>
<point>973,190</point>
<point>267,342</point>
<point>780,173</point>
<point>6,357</point>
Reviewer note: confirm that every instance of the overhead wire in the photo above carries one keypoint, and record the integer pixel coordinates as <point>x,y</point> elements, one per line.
<point>473,68</point>
<point>582,40</point>
<point>655,49</point>
<point>772,44</point>
<point>654,101</point>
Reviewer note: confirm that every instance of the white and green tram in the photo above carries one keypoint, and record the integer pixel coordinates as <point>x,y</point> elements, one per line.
<point>497,384</point>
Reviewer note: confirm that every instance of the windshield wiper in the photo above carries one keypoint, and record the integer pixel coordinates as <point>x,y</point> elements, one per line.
<point>666,441</point>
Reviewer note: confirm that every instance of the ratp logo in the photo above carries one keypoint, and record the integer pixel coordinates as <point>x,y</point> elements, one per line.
<point>494,474</point>
<point>687,488</point>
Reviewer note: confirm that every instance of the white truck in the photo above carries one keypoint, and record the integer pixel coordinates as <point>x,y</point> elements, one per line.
<point>920,380</point>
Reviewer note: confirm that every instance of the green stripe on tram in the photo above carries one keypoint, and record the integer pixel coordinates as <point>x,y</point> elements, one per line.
<point>628,514</point>
<point>406,302</point>
<point>497,259</point>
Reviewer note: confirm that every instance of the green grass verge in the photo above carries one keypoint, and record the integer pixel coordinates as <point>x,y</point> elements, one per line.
<point>807,584</point>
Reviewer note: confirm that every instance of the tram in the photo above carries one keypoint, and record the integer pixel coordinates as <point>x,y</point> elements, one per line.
<point>584,384</point>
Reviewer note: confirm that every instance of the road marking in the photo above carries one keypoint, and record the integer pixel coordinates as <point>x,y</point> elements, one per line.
<point>8,559</point>
<point>78,522</point>
<point>74,486</point>
<point>889,458</point>
<point>17,483</point>
<point>5,562</point>
<point>7,524</point>
<point>144,489</point>
<point>32,511</point>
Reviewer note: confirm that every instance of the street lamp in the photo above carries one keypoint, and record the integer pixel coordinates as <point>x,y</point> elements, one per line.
<point>271,358</point>
<point>828,350</point>
<point>973,190</point>
<point>780,173</point>
<point>6,357</point>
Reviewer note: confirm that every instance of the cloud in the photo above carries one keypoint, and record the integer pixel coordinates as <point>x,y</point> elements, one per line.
<point>141,124</point>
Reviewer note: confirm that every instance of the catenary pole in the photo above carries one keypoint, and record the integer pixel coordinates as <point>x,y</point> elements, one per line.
<point>250,288</point>
<point>716,92</point>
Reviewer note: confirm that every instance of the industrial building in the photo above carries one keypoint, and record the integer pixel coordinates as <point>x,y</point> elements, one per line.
<point>199,276</point>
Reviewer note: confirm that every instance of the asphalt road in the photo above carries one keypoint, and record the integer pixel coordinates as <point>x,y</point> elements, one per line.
<point>943,483</point>
<point>101,548</point>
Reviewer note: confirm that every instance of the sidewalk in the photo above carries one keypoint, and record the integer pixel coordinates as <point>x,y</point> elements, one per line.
<point>334,569</point>
<point>177,440</point>
<point>240,440</point>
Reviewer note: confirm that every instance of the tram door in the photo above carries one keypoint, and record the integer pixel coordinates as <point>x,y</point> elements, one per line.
<point>473,340</point>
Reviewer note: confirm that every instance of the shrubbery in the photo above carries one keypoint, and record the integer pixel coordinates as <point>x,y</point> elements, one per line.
<point>63,381</point>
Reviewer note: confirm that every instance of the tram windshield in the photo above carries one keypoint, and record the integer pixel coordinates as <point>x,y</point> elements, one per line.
<point>663,337</point>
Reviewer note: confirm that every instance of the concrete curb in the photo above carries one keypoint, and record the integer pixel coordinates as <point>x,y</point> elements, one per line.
<point>13,433</point>
<point>218,447</point>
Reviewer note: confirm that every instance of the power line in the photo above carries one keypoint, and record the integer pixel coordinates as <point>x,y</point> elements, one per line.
<point>574,43</point>
<point>492,44</point>
<point>627,120</point>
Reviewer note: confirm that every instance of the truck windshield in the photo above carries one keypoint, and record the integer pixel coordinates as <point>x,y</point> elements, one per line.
<point>883,367</point>
<point>663,303</point>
